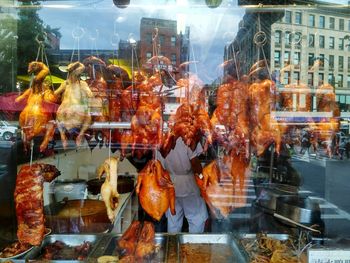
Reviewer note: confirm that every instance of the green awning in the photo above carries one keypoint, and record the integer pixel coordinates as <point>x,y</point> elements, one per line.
<point>55,80</point>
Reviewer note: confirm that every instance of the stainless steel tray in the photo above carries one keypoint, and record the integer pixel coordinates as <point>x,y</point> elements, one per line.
<point>228,239</point>
<point>108,247</point>
<point>69,240</point>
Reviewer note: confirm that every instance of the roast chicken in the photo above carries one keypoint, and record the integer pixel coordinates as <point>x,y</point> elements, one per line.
<point>264,131</point>
<point>29,201</point>
<point>74,110</point>
<point>137,244</point>
<point>191,122</point>
<point>109,191</point>
<point>36,118</point>
<point>155,189</point>
<point>223,186</point>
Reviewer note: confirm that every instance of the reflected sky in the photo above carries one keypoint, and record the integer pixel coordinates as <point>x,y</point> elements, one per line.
<point>210,29</point>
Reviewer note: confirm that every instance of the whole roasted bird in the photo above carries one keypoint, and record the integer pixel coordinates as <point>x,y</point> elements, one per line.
<point>74,110</point>
<point>36,118</point>
<point>137,244</point>
<point>109,187</point>
<point>155,189</point>
<point>29,201</point>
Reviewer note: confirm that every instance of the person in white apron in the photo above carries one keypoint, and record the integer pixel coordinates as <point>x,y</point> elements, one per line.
<point>181,163</point>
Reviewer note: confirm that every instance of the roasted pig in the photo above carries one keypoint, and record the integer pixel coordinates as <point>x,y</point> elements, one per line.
<point>29,201</point>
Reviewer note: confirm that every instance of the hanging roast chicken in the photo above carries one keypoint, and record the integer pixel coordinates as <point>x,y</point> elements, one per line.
<point>36,118</point>
<point>155,189</point>
<point>74,110</point>
<point>109,187</point>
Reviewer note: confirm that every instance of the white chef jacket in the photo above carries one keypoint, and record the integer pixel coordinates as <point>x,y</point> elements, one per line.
<point>178,164</point>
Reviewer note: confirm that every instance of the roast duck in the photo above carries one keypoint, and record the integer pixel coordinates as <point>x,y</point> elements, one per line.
<point>36,118</point>
<point>222,187</point>
<point>146,123</point>
<point>29,201</point>
<point>137,244</point>
<point>109,191</point>
<point>155,190</point>
<point>99,103</point>
<point>74,110</point>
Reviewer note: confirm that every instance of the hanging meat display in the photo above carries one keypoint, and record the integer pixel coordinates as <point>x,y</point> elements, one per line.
<point>109,187</point>
<point>37,118</point>
<point>155,189</point>
<point>74,110</point>
<point>29,201</point>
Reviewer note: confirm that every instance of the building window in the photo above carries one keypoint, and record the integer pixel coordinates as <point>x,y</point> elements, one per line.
<point>311,40</point>
<point>341,24</point>
<point>321,41</point>
<point>288,17</point>
<point>321,61</point>
<point>341,63</point>
<point>348,64</point>
<point>311,59</point>
<point>348,81</point>
<point>288,38</point>
<point>278,37</point>
<point>331,62</point>
<point>149,38</point>
<point>310,79</point>
<point>296,60</point>
<point>286,58</point>
<point>320,78</point>
<point>161,40</point>
<point>322,22</point>
<point>331,42</point>
<point>173,41</point>
<point>286,77</point>
<point>349,25</point>
<point>331,79</point>
<point>173,59</point>
<point>148,55</point>
<point>312,20</point>
<point>297,38</point>
<point>340,81</point>
<point>296,77</point>
<point>341,43</point>
<point>331,22</point>
<point>298,19</point>
<point>277,58</point>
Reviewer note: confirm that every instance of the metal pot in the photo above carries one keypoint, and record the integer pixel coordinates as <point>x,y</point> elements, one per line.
<point>125,185</point>
<point>77,216</point>
<point>70,189</point>
<point>299,209</point>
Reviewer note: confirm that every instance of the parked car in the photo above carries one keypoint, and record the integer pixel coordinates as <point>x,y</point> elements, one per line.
<point>7,130</point>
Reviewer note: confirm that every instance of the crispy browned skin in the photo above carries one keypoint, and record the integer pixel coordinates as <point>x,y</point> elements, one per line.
<point>155,189</point>
<point>29,201</point>
<point>127,243</point>
<point>35,116</point>
<point>145,246</point>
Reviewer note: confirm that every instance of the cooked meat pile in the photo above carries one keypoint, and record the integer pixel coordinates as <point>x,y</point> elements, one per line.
<point>60,251</point>
<point>29,201</point>
<point>14,249</point>
<point>206,253</point>
<point>137,243</point>
<point>155,189</point>
<point>109,187</point>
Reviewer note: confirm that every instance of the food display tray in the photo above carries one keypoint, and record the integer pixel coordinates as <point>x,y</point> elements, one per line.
<point>108,247</point>
<point>238,254</point>
<point>69,240</point>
